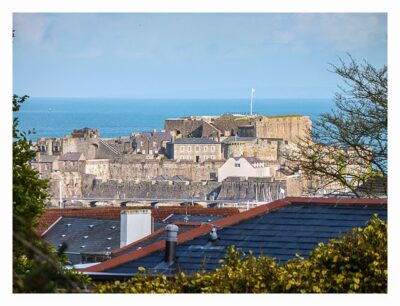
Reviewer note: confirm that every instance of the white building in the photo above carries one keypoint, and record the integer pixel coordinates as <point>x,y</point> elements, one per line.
<point>243,167</point>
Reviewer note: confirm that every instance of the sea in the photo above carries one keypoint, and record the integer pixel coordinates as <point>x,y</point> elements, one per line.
<point>119,117</point>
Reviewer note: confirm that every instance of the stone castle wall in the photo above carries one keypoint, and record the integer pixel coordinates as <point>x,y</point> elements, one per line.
<point>152,168</point>
<point>262,189</point>
<point>289,128</point>
<point>149,189</point>
<point>184,127</point>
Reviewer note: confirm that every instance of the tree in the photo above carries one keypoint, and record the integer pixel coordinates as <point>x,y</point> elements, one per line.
<point>348,147</point>
<point>36,266</point>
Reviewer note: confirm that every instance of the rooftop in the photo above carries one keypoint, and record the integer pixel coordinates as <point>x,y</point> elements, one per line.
<point>231,139</point>
<point>194,141</point>
<point>72,156</point>
<point>84,235</point>
<point>279,229</point>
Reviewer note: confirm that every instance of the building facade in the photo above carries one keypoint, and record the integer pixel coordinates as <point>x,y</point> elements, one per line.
<point>151,143</point>
<point>243,167</point>
<point>194,149</point>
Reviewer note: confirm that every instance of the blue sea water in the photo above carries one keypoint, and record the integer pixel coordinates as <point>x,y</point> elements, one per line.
<point>57,117</point>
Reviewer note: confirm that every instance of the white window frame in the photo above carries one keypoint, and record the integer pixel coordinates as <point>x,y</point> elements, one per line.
<point>205,149</point>
<point>212,148</point>
<point>182,148</point>
<point>189,148</point>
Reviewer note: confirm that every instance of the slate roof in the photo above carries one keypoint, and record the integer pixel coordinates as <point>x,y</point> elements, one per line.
<point>194,141</point>
<point>160,135</point>
<point>51,215</point>
<point>44,158</point>
<point>279,229</point>
<point>85,235</point>
<point>71,156</point>
<point>231,139</point>
<point>253,160</point>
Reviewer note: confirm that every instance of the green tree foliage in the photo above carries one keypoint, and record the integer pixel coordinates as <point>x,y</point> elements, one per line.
<point>349,145</point>
<point>36,266</point>
<point>355,263</point>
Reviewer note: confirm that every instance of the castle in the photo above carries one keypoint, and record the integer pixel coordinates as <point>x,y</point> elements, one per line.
<point>142,165</point>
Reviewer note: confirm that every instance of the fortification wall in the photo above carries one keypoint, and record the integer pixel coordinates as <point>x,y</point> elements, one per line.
<point>184,127</point>
<point>149,189</point>
<point>262,189</point>
<point>99,168</point>
<point>289,128</point>
<point>136,170</point>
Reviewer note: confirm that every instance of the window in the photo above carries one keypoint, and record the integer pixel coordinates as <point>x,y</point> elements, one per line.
<point>182,148</point>
<point>197,148</point>
<point>189,149</point>
<point>237,165</point>
<point>205,148</point>
<point>212,148</point>
<point>141,143</point>
<point>154,144</point>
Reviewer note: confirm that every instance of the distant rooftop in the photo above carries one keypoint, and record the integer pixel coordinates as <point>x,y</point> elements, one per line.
<point>231,139</point>
<point>71,156</point>
<point>194,141</point>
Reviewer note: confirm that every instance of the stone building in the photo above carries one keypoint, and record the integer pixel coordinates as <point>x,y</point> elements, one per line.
<point>50,146</point>
<point>289,128</point>
<point>45,164</point>
<point>72,162</point>
<point>194,149</point>
<point>151,143</point>
<point>243,167</point>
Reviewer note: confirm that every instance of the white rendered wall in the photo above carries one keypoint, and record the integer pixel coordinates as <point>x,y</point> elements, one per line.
<point>135,224</point>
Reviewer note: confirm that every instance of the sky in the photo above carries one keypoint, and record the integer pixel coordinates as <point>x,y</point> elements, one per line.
<point>189,55</point>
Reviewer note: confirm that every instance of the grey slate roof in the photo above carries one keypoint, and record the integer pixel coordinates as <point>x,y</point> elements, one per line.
<point>160,135</point>
<point>44,158</point>
<point>231,139</point>
<point>280,234</point>
<point>194,141</point>
<point>171,219</point>
<point>97,236</point>
<point>253,160</point>
<point>71,156</point>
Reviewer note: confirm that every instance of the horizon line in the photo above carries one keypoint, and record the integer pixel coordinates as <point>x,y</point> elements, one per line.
<point>184,98</point>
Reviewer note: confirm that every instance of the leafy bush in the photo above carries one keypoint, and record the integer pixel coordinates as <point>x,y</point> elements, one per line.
<point>356,262</point>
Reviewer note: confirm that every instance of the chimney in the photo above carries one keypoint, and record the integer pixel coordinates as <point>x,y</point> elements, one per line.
<point>170,243</point>
<point>135,224</point>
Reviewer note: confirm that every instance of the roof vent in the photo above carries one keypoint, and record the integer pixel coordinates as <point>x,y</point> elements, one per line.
<point>186,218</point>
<point>63,235</point>
<point>83,246</point>
<point>85,237</point>
<point>91,225</point>
<point>170,243</point>
<point>68,224</point>
<point>139,248</point>
<point>108,248</point>
<point>113,227</point>
<point>109,238</point>
<point>213,234</point>
<point>209,220</point>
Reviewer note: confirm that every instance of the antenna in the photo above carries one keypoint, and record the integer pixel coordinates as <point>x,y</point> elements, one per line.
<point>251,100</point>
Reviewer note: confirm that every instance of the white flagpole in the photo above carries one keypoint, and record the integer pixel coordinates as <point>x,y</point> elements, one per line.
<point>251,101</point>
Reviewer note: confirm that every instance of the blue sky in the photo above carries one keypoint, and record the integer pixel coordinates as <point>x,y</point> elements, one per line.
<point>190,55</point>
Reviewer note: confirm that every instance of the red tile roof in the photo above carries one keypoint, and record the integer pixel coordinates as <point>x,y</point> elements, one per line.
<point>230,220</point>
<point>113,213</point>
